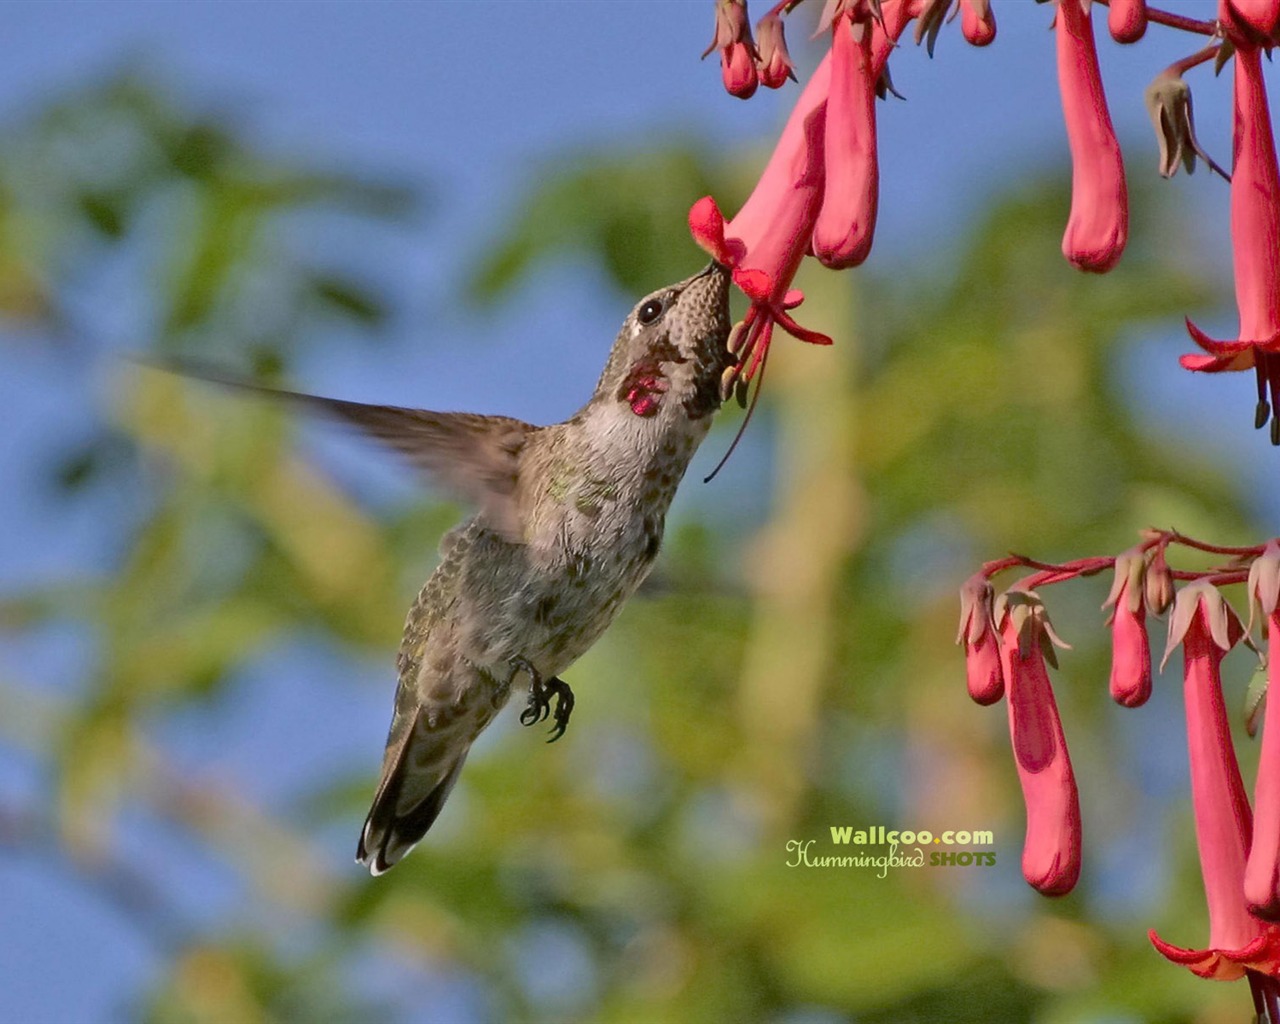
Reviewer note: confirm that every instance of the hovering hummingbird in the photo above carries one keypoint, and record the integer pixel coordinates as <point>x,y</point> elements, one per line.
<point>570,517</point>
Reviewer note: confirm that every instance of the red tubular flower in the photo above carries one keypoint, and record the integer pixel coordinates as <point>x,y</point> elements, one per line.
<point>1127,20</point>
<point>1262,871</point>
<point>766,242</point>
<point>737,51</point>
<point>1255,242</point>
<point>1259,15</point>
<point>1238,941</point>
<point>768,238</point>
<point>846,221</point>
<point>775,62</point>
<point>1099,223</point>
<point>1051,852</point>
<point>978,22</point>
<point>981,641</point>
<point>1130,647</point>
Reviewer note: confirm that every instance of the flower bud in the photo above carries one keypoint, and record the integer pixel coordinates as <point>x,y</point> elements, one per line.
<point>1127,20</point>
<point>978,22</point>
<point>775,62</point>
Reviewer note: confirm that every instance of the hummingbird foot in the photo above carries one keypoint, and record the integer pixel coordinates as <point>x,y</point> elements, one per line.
<point>540,693</point>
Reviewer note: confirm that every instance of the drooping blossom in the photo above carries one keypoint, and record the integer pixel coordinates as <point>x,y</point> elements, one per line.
<point>770,236</point>
<point>846,223</point>
<point>1099,223</point>
<point>1260,15</point>
<point>775,64</point>
<point>977,22</point>
<point>1255,243</point>
<point>1239,942</point>
<point>1262,871</point>
<point>1130,647</point>
<point>1127,20</point>
<point>1051,850</point>
<point>981,640</point>
<point>737,51</point>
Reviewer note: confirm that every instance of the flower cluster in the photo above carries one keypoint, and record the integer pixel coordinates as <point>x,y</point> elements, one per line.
<point>1009,646</point>
<point>819,192</point>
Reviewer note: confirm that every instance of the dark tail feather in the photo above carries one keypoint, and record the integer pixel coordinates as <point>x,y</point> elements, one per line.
<point>388,836</point>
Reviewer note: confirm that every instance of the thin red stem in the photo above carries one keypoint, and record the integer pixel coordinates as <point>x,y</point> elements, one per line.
<point>1181,67</point>
<point>1174,537</point>
<point>1204,28</point>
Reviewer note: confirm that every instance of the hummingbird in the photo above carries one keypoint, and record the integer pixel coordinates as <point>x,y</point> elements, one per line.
<point>569,518</point>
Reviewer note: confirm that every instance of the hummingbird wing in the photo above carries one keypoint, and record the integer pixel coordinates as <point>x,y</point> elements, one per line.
<point>475,456</point>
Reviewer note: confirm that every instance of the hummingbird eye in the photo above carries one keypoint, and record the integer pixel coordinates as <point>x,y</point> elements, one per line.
<point>650,311</point>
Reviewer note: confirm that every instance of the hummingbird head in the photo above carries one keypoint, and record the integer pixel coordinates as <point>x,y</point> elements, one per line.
<point>671,352</point>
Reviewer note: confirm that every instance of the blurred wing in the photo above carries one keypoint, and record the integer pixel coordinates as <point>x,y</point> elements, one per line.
<point>477,457</point>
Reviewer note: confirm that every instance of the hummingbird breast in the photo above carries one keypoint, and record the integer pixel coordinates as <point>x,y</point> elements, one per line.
<point>594,496</point>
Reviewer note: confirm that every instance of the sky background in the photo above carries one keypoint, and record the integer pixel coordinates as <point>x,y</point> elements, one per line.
<point>472,99</point>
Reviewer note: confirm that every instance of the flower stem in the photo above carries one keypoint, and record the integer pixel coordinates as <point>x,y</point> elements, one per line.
<point>1181,67</point>
<point>1204,28</point>
<point>1214,549</point>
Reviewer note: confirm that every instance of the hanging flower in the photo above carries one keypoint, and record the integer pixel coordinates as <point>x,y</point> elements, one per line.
<point>1051,850</point>
<point>1099,223</point>
<point>1255,244</point>
<point>1206,627</point>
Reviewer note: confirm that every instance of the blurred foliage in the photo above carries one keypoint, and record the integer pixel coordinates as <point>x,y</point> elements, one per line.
<point>801,678</point>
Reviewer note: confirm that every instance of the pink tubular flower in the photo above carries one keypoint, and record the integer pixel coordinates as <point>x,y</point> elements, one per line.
<point>1259,15</point>
<point>978,22</point>
<point>1238,941</point>
<point>846,221</point>
<point>1262,871</point>
<point>1130,647</point>
<point>766,242</point>
<point>1051,852</point>
<point>737,51</point>
<point>768,238</point>
<point>1127,20</point>
<point>1099,223</point>
<point>981,641</point>
<point>1255,242</point>
<point>775,62</point>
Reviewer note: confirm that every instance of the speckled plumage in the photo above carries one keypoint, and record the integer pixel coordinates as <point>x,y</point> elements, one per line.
<point>588,502</point>
<point>570,517</point>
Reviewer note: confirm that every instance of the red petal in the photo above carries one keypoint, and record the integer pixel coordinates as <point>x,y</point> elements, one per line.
<point>757,284</point>
<point>1205,364</point>
<point>706,224</point>
<point>1215,347</point>
<point>796,331</point>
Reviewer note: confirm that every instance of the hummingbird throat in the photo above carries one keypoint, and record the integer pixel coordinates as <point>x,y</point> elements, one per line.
<point>645,383</point>
<point>643,389</point>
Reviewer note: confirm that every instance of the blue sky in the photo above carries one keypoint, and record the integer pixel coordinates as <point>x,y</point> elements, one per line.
<point>467,97</point>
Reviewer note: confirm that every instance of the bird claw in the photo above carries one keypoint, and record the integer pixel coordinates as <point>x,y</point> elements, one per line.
<point>540,693</point>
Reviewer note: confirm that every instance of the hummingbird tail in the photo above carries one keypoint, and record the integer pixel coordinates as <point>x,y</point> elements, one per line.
<point>388,834</point>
